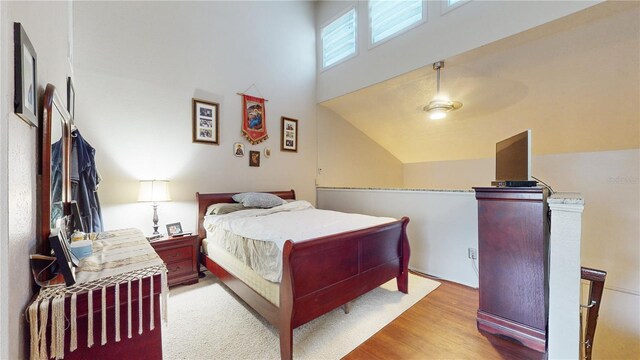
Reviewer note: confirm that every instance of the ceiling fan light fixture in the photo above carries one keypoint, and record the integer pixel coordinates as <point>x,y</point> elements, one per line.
<point>437,114</point>
<point>440,106</point>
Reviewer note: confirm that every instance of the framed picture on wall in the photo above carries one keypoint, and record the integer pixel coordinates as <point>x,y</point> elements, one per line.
<point>254,158</point>
<point>238,149</point>
<point>206,122</point>
<point>289,135</point>
<point>25,79</point>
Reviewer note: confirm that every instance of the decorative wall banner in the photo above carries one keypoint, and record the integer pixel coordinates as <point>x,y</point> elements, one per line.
<point>254,121</point>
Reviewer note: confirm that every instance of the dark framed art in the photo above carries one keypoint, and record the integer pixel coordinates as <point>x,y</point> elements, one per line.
<point>174,229</point>
<point>25,79</point>
<point>289,135</point>
<point>60,246</point>
<point>254,158</point>
<point>206,122</point>
<point>71,98</point>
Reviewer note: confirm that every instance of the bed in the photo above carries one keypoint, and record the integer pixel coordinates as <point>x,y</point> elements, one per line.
<point>319,274</point>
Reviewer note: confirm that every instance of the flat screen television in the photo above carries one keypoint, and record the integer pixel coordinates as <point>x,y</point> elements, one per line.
<point>513,158</point>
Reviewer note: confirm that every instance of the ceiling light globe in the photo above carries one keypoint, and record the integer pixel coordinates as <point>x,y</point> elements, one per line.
<point>437,114</point>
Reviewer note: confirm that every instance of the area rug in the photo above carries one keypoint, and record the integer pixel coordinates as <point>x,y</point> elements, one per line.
<point>207,321</point>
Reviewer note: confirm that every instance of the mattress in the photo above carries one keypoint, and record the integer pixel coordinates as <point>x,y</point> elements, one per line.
<point>256,237</point>
<point>267,289</point>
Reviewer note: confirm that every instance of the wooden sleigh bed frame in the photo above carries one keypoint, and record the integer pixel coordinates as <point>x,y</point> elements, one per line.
<point>321,274</point>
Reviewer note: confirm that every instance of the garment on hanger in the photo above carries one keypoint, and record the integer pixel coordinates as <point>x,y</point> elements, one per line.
<point>84,182</point>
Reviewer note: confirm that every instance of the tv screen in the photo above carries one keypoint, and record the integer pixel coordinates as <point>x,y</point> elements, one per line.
<point>513,158</point>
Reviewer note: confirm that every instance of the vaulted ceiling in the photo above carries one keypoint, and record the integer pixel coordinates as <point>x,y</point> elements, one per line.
<point>575,82</point>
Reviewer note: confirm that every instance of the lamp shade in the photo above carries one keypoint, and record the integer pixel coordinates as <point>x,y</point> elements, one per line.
<point>154,190</point>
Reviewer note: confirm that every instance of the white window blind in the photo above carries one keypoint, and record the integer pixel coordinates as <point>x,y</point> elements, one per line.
<point>339,39</point>
<point>387,18</point>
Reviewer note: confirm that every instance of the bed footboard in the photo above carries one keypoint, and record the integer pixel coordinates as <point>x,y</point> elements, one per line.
<point>325,273</point>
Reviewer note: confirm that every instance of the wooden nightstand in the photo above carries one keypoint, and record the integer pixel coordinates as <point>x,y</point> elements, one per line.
<point>181,256</point>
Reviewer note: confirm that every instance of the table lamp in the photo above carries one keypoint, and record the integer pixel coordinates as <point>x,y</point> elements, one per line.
<point>154,191</point>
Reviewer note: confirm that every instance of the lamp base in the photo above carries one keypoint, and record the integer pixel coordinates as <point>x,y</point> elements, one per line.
<point>155,219</point>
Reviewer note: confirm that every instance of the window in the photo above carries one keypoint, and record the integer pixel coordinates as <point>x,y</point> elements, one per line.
<point>339,39</point>
<point>448,5</point>
<point>387,18</point>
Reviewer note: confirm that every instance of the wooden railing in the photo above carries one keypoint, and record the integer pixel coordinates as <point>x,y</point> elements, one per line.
<point>596,287</point>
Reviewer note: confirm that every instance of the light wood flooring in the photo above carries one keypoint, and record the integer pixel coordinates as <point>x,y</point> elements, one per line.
<point>440,326</point>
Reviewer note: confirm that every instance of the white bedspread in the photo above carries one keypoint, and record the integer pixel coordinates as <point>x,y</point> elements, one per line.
<point>256,237</point>
<point>297,220</point>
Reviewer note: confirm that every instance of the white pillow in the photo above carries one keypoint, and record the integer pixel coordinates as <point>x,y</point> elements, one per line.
<point>260,200</point>
<point>223,208</point>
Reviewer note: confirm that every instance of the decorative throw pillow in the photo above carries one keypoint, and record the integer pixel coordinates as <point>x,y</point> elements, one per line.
<point>224,208</point>
<point>260,200</point>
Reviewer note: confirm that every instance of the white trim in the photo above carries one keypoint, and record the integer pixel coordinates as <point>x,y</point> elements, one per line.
<point>425,17</point>
<point>445,7</point>
<point>332,19</point>
<point>412,191</point>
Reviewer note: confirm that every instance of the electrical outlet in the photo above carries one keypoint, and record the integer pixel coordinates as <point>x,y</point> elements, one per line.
<point>473,253</point>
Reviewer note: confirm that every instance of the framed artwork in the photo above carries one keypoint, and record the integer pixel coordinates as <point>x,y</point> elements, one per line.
<point>238,149</point>
<point>174,229</point>
<point>60,246</point>
<point>206,123</point>
<point>25,79</point>
<point>267,152</point>
<point>71,98</point>
<point>289,136</point>
<point>254,121</point>
<point>254,158</point>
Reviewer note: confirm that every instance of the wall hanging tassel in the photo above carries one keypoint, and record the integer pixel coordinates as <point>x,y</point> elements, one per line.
<point>33,320</point>
<point>73,342</point>
<point>140,306</point>
<point>104,315</point>
<point>129,309</point>
<point>90,318</point>
<point>152,324</point>
<point>44,315</point>
<point>117,313</point>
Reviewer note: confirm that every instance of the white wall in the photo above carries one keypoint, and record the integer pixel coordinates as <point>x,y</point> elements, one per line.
<point>609,182</point>
<point>368,164</point>
<point>139,64</point>
<point>49,36</point>
<point>476,23</point>
<point>443,225</point>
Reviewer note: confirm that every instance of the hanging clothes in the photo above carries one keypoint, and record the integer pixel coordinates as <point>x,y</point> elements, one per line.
<point>84,182</point>
<point>56,183</point>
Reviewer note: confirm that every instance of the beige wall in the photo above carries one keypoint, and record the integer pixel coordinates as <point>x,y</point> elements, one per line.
<point>442,36</point>
<point>347,157</point>
<point>577,85</point>
<point>138,66</point>
<point>49,36</point>
<point>609,182</point>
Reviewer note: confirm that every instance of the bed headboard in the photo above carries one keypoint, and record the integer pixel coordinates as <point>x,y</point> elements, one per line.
<point>204,200</point>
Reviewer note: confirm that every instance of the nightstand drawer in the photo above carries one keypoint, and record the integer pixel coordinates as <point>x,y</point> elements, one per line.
<point>180,254</point>
<point>179,268</point>
<point>176,254</point>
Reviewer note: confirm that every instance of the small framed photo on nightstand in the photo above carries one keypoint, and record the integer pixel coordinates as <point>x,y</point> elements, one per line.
<point>174,229</point>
